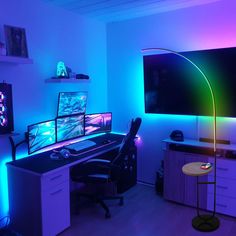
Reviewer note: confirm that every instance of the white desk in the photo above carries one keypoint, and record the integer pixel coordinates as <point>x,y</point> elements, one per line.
<point>39,193</point>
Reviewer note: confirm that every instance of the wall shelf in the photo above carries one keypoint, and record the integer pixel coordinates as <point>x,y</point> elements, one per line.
<point>66,80</point>
<point>15,60</point>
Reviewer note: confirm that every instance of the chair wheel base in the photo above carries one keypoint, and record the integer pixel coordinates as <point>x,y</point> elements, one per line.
<point>205,223</point>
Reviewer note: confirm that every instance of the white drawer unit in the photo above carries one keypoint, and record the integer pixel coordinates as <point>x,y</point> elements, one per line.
<point>224,205</point>
<point>224,187</point>
<point>51,180</point>
<point>41,204</point>
<point>55,209</point>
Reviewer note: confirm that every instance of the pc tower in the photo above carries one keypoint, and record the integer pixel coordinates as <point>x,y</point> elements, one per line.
<point>6,111</point>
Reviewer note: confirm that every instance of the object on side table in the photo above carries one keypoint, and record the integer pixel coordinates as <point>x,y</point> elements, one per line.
<point>6,111</point>
<point>177,135</point>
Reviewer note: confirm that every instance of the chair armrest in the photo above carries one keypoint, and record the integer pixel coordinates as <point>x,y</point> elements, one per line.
<point>102,161</point>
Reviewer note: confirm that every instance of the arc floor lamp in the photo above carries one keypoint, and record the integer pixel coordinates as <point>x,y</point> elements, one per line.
<point>204,222</point>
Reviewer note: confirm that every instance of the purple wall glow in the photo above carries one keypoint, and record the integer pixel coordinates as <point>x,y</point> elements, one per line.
<point>201,27</point>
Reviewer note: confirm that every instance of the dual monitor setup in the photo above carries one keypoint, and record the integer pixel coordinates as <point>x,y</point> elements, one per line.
<point>71,123</point>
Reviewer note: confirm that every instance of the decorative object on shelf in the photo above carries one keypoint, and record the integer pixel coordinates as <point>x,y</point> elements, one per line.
<point>15,41</point>
<point>206,222</point>
<point>61,70</point>
<point>6,111</point>
<point>3,50</point>
<point>82,76</point>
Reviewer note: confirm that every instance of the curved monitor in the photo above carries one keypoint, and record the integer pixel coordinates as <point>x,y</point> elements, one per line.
<point>71,103</point>
<point>69,127</point>
<point>41,135</point>
<point>98,123</point>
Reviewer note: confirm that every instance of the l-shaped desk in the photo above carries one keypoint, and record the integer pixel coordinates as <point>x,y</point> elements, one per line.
<point>39,192</point>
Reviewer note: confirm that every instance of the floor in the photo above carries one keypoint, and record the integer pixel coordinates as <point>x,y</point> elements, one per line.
<point>144,214</point>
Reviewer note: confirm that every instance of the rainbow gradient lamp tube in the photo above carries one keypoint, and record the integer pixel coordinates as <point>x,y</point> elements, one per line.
<point>206,222</point>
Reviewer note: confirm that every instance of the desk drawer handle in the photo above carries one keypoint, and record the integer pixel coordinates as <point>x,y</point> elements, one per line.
<point>221,205</point>
<point>55,177</point>
<point>222,187</point>
<point>221,168</point>
<point>56,192</point>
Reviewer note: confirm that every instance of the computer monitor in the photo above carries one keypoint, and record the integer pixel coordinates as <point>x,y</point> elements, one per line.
<point>69,127</point>
<point>70,103</point>
<point>41,135</point>
<point>98,123</point>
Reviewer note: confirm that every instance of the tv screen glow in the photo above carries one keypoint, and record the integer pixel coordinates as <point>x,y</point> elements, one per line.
<point>98,123</point>
<point>69,127</point>
<point>172,85</point>
<point>41,135</point>
<point>70,103</point>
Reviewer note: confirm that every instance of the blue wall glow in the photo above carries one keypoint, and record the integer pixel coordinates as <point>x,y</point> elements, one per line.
<point>4,190</point>
<point>34,100</point>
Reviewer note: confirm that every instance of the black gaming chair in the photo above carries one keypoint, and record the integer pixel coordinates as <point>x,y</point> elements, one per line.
<point>99,172</point>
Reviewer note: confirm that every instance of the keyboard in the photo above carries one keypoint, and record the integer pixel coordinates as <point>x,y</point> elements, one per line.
<point>81,145</point>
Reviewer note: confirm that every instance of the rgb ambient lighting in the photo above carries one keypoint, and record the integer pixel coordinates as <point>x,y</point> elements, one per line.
<point>3,111</point>
<point>206,222</point>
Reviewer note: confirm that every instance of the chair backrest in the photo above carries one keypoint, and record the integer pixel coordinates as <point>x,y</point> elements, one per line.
<point>128,140</point>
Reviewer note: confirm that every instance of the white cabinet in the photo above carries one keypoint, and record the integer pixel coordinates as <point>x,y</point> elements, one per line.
<point>182,189</point>
<point>39,205</point>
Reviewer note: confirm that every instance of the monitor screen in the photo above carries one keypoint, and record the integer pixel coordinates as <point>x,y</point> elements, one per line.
<point>172,85</point>
<point>41,135</point>
<point>98,123</point>
<point>69,127</point>
<point>70,103</point>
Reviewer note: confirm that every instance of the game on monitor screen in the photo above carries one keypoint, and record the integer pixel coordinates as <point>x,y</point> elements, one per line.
<point>41,135</point>
<point>70,103</point>
<point>98,123</point>
<point>69,127</point>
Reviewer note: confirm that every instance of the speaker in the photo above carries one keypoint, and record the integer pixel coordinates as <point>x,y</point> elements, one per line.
<point>6,111</point>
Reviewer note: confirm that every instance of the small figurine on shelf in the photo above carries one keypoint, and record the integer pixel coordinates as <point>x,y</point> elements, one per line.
<point>3,51</point>
<point>61,70</point>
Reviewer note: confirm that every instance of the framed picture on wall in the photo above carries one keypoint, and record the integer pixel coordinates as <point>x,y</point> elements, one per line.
<point>16,44</point>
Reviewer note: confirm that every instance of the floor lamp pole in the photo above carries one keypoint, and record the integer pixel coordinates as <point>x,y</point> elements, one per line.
<point>206,222</point>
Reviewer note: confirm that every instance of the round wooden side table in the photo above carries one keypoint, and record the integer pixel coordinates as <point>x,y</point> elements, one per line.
<point>205,222</point>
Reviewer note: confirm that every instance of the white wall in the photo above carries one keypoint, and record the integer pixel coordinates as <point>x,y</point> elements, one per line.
<point>53,34</point>
<point>201,27</point>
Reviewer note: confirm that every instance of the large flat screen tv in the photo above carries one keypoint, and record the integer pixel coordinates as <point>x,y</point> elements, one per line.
<point>41,135</point>
<point>172,85</point>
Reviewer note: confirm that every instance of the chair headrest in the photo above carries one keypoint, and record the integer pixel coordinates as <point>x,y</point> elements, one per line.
<point>135,125</point>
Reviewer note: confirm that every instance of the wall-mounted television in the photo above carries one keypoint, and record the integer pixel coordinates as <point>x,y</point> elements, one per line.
<point>172,85</point>
<point>69,127</point>
<point>98,123</point>
<point>70,103</point>
<point>41,135</point>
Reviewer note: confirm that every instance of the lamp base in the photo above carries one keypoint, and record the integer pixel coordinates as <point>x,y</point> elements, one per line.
<point>205,223</point>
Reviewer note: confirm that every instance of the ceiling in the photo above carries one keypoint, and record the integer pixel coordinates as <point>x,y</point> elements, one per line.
<point>117,10</point>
